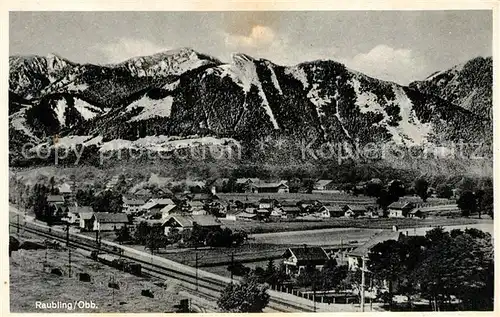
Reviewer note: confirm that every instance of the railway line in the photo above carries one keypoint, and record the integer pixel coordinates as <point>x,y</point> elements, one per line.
<point>209,288</point>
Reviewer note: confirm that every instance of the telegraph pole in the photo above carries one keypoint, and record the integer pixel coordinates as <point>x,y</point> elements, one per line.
<point>67,235</point>
<point>196,270</point>
<point>363,284</point>
<point>69,262</point>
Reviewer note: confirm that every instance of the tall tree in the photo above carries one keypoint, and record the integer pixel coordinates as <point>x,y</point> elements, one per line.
<point>467,203</point>
<point>422,188</point>
<point>249,296</point>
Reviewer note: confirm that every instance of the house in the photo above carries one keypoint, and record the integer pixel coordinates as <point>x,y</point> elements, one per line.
<point>296,260</point>
<point>355,257</point>
<point>231,214</point>
<point>132,206</point>
<point>263,213</point>
<point>73,215</point>
<point>277,187</point>
<point>56,199</point>
<point>202,197</point>
<point>143,193</point>
<point>169,210</point>
<point>400,209</point>
<point>307,204</point>
<point>276,213</point>
<point>105,221</point>
<point>86,220</point>
<point>330,211</point>
<point>324,184</point>
<point>186,222</point>
<point>354,211</point>
<point>221,185</point>
<point>197,207</point>
<point>65,191</point>
<point>153,206</point>
<point>245,216</point>
<point>266,203</point>
<point>290,211</point>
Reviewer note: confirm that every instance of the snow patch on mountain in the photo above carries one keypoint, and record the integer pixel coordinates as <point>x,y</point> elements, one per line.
<point>274,79</point>
<point>248,76</point>
<point>60,111</point>
<point>366,101</point>
<point>151,108</point>
<point>86,110</point>
<point>316,99</point>
<point>171,86</point>
<point>337,114</point>
<point>298,73</point>
<point>410,129</point>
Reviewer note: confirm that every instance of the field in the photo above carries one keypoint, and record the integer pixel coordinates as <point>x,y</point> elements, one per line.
<point>31,282</point>
<point>254,227</point>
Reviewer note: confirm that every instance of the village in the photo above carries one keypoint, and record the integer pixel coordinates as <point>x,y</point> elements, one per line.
<point>242,225</point>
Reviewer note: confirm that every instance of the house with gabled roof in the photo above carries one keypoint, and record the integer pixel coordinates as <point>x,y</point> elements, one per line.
<point>106,221</point>
<point>131,206</point>
<point>187,222</point>
<point>324,184</point>
<point>355,257</point>
<point>297,259</point>
<point>400,209</point>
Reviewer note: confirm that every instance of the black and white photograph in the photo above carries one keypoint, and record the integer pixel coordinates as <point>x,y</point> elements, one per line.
<point>260,161</point>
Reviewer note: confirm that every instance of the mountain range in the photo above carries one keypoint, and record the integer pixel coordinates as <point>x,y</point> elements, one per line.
<point>183,95</point>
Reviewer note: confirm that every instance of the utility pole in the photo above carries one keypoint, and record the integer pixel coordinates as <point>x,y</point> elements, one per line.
<point>18,225</point>
<point>67,235</point>
<point>69,262</point>
<point>363,284</point>
<point>196,265</point>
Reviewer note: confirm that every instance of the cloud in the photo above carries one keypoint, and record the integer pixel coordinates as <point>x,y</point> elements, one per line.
<point>260,36</point>
<point>126,48</point>
<point>387,63</point>
<point>264,42</point>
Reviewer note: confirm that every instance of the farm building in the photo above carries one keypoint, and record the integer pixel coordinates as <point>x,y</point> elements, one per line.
<point>278,187</point>
<point>324,184</point>
<point>330,211</point>
<point>186,222</point>
<point>104,221</point>
<point>290,211</point>
<point>153,207</point>
<point>169,210</point>
<point>244,215</point>
<point>400,209</point>
<point>297,259</point>
<point>73,216</point>
<point>203,197</point>
<point>354,211</point>
<point>266,203</point>
<point>197,207</point>
<point>86,220</point>
<point>131,206</point>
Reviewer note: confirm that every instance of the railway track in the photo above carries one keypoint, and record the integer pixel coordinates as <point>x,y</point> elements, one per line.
<point>209,288</point>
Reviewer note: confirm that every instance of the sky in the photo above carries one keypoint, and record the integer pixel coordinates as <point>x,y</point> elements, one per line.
<point>400,46</point>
